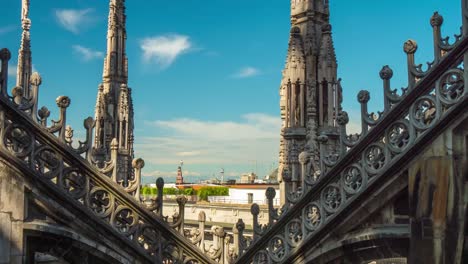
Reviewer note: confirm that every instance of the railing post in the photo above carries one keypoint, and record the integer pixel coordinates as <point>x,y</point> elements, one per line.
<point>35,82</point>
<point>436,22</point>
<point>114,148</point>
<point>227,256</point>
<point>410,48</point>
<point>465,17</point>
<point>217,249</point>
<point>63,102</point>
<point>386,73</point>
<point>201,228</point>
<point>287,184</point>
<point>159,199</point>
<point>137,165</point>
<point>238,231</point>
<point>17,93</point>
<point>270,195</point>
<point>5,57</point>
<point>181,201</point>
<point>323,139</point>
<point>255,210</point>
<point>363,98</point>
<point>304,159</point>
<point>43,114</point>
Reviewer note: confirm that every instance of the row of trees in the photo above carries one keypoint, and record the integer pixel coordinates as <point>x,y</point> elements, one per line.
<point>202,193</point>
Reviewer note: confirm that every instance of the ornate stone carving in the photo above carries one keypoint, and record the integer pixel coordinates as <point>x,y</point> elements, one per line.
<point>410,46</point>
<point>436,20</point>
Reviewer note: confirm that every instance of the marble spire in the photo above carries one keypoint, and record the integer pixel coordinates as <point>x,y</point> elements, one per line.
<point>114,107</point>
<point>310,95</point>
<point>24,68</point>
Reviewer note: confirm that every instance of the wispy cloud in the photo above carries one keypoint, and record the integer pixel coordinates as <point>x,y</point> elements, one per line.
<point>87,54</point>
<point>246,72</point>
<point>254,137</point>
<point>74,20</point>
<point>164,50</point>
<point>7,29</point>
<point>12,70</point>
<point>166,174</point>
<point>188,153</point>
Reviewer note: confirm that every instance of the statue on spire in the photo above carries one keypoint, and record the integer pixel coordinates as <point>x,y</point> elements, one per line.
<point>24,68</point>
<point>25,9</point>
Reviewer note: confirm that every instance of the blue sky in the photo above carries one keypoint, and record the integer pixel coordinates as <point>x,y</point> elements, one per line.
<point>205,74</point>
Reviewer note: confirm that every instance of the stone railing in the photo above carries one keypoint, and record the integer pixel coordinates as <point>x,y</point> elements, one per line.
<point>46,153</point>
<point>223,248</point>
<point>389,140</point>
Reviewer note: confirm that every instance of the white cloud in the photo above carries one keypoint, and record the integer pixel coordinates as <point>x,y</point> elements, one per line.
<point>74,19</point>
<point>255,137</point>
<point>167,174</point>
<point>7,29</point>
<point>12,70</point>
<point>164,50</point>
<point>246,72</point>
<point>87,54</point>
<point>188,153</point>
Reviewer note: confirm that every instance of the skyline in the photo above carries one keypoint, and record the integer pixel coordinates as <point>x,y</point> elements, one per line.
<point>170,122</point>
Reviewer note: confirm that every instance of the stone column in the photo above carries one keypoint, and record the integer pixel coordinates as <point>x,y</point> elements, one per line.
<point>12,215</point>
<point>436,201</point>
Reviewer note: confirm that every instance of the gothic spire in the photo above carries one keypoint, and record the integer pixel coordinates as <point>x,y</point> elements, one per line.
<point>310,94</point>
<point>24,69</point>
<point>114,107</point>
<point>115,63</point>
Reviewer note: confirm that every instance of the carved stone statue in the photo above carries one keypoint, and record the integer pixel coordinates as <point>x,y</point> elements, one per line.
<point>25,9</point>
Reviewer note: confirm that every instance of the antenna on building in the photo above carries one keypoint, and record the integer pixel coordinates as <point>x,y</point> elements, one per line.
<point>222,175</point>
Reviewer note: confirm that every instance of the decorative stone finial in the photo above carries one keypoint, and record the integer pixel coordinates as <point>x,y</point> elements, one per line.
<point>138,163</point>
<point>114,144</point>
<point>181,200</point>
<point>255,209</point>
<point>436,20</point>
<point>5,54</point>
<point>17,91</point>
<point>35,79</point>
<point>304,157</point>
<point>410,46</point>
<point>68,134</point>
<point>217,231</point>
<point>240,225</point>
<point>270,193</point>
<point>43,113</point>
<point>201,216</point>
<point>63,101</point>
<point>123,86</point>
<point>160,183</point>
<point>386,73</point>
<point>342,118</point>
<point>363,96</point>
<point>88,123</point>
